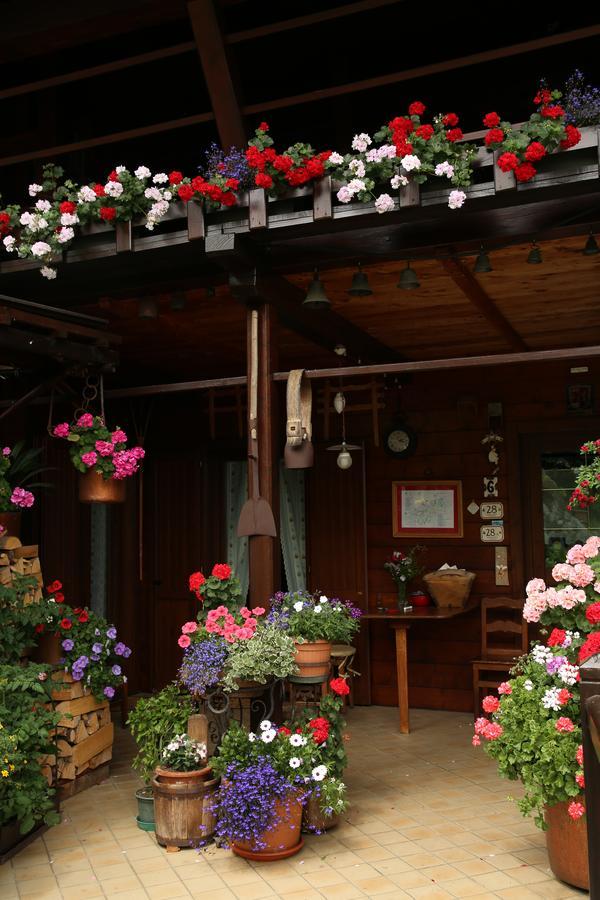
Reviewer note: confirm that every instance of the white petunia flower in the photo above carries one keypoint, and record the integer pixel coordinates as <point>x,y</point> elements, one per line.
<point>265,725</point>
<point>64,235</point>
<point>251,737</point>
<point>411,162</point>
<point>384,203</point>
<point>86,194</point>
<point>268,736</point>
<point>398,181</point>
<point>35,189</point>
<point>113,189</point>
<point>295,763</point>
<point>456,199</point>
<point>297,740</point>
<point>48,272</point>
<point>40,248</point>
<point>336,159</point>
<point>142,172</point>
<point>317,609</point>
<point>319,773</point>
<point>160,178</point>
<point>360,142</point>
<point>43,206</point>
<point>69,219</point>
<point>323,599</point>
<point>9,243</point>
<point>299,606</point>
<point>528,684</point>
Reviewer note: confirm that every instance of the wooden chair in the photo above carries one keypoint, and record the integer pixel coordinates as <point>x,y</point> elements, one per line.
<point>503,640</point>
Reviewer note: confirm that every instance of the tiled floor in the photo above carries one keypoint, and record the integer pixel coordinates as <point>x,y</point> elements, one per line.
<point>429,819</point>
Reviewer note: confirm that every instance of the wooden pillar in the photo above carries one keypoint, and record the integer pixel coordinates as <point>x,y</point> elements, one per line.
<point>264,552</point>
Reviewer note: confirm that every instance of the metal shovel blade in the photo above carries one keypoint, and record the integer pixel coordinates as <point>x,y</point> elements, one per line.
<point>256,518</point>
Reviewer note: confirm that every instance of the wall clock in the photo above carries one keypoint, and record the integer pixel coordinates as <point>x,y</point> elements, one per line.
<point>400,441</point>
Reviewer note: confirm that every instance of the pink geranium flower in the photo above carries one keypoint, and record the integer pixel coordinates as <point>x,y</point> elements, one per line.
<point>504,688</point>
<point>564,725</point>
<point>62,430</point>
<point>576,810</point>
<point>490,704</point>
<point>189,628</point>
<point>184,641</point>
<point>22,498</point>
<point>85,421</point>
<point>89,459</point>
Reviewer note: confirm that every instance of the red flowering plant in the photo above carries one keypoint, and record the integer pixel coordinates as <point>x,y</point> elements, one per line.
<point>545,132</point>
<point>587,485</point>
<point>406,149</point>
<point>95,447</point>
<point>532,727</point>
<point>278,172</point>
<point>220,588</point>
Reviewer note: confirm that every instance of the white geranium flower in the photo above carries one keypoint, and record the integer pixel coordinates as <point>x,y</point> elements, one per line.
<point>48,272</point>
<point>398,181</point>
<point>384,203</point>
<point>152,193</point>
<point>299,606</point>
<point>568,674</point>
<point>69,219</point>
<point>35,189</point>
<point>167,195</point>
<point>64,235</point>
<point>456,199</point>
<point>9,243</point>
<point>295,763</point>
<point>319,773</point>
<point>444,168</point>
<point>120,169</point>
<point>356,185</point>
<point>344,194</point>
<point>360,142</point>
<point>550,699</point>
<point>40,248</point>
<point>86,194</point>
<point>268,736</point>
<point>411,162</point>
<point>142,172</point>
<point>43,206</point>
<point>26,218</point>
<point>357,167</point>
<point>297,740</point>
<point>336,159</point>
<point>113,189</point>
<point>160,178</point>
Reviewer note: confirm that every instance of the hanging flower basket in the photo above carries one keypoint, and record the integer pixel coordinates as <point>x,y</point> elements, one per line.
<point>94,488</point>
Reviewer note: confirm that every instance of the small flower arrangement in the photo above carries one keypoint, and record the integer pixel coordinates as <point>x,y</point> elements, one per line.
<point>278,172</point>
<point>92,653</point>
<point>587,487</point>
<point>18,469</point>
<point>532,728</point>
<point>94,446</point>
<point>182,754</point>
<point>403,567</point>
<point>315,617</point>
<point>221,588</point>
<point>545,132</point>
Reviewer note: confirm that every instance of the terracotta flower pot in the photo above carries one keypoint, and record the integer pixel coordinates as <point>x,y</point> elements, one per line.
<point>282,840</point>
<point>11,521</point>
<point>48,649</point>
<point>184,806</point>
<point>93,488</point>
<point>313,819</point>
<point>313,658</point>
<point>567,845</point>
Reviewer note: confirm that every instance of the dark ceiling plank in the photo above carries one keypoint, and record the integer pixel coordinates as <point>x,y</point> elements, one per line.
<point>326,15</point>
<point>213,56</point>
<point>94,71</point>
<point>35,344</point>
<point>449,65</point>
<point>58,326</point>
<point>464,279</point>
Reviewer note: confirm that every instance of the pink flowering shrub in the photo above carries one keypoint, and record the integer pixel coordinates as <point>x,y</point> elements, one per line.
<point>93,446</point>
<point>532,728</point>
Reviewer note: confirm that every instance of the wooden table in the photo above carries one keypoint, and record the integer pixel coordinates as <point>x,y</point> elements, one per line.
<point>400,622</point>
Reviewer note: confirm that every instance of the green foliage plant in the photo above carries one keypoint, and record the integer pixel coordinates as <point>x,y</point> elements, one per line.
<point>153,722</point>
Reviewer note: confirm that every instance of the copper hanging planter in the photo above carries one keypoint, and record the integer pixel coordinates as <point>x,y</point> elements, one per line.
<point>93,488</point>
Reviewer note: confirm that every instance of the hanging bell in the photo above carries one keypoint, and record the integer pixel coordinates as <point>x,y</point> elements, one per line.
<point>339,403</point>
<point>360,286</point>
<point>535,255</point>
<point>591,247</point>
<point>408,278</point>
<point>482,263</point>
<point>316,298</point>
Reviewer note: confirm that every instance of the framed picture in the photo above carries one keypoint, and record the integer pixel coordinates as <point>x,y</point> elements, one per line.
<point>580,398</point>
<point>431,509</point>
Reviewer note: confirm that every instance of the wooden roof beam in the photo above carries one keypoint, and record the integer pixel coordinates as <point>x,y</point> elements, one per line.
<point>476,295</point>
<point>211,48</point>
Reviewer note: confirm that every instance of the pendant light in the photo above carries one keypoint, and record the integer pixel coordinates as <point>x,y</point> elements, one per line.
<point>339,402</point>
<point>535,255</point>
<point>408,278</point>
<point>591,247</point>
<point>482,262</point>
<point>316,298</point>
<point>360,286</point>
<point>344,457</point>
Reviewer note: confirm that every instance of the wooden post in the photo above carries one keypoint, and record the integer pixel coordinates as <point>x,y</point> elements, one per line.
<point>590,723</point>
<point>264,551</point>
<point>402,675</point>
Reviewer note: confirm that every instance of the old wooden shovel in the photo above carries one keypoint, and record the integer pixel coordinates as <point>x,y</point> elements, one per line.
<point>256,517</point>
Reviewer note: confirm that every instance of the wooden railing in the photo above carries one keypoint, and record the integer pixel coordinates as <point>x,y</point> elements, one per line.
<point>590,722</point>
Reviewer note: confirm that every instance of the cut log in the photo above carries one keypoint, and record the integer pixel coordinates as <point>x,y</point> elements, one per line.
<point>48,760</point>
<point>66,769</point>
<point>77,708</point>
<point>64,747</point>
<point>29,551</point>
<point>48,774</point>
<point>10,543</point>
<point>4,560</point>
<point>18,567</point>
<point>93,745</point>
<point>80,732</point>
<point>81,769</point>
<point>100,758</point>
<point>66,691</point>
<point>5,575</point>
<point>92,724</point>
<point>104,717</point>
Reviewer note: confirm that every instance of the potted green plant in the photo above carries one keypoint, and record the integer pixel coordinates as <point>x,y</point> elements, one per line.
<point>101,456</point>
<point>18,470</point>
<point>220,588</point>
<point>27,723</point>
<point>532,727</point>
<point>314,622</point>
<point>152,722</point>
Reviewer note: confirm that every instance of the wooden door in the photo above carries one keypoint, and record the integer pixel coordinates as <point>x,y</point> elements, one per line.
<point>336,537</point>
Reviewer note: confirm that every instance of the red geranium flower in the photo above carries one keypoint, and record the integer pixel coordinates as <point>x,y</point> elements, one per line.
<point>490,704</point>
<point>450,119</point>
<point>54,586</point>
<point>221,571</point>
<point>84,616</point>
<point>196,581</point>
<point>98,189</point>
<point>564,696</point>
<point>508,162</point>
<point>263,181</point>
<point>283,163</point>
<point>107,213</point>
<point>543,96</point>
<point>455,134</point>
<point>284,730</point>
<point>494,136</point>
<point>571,138</point>
<point>580,779</point>
<point>67,206</point>
<point>425,132</point>
<point>60,598</point>
<point>66,624</point>
<point>228,199</point>
<point>525,172</point>
<point>339,686</point>
<point>39,628</point>
<point>264,126</point>
<point>592,613</point>
<point>552,112</point>
<point>4,222</point>
<point>320,729</point>
<point>557,637</point>
<point>491,119</point>
<point>175,178</point>
<point>185,192</point>
<point>113,176</point>
<point>232,184</point>
<point>416,108</point>
<point>535,151</point>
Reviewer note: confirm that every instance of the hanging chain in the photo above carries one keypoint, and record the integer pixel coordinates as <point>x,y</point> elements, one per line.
<point>92,387</point>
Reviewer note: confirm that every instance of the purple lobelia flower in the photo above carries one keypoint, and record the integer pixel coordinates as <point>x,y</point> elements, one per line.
<point>232,164</point>
<point>202,664</point>
<point>581,100</point>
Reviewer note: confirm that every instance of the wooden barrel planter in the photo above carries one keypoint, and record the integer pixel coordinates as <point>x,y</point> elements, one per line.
<point>11,522</point>
<point>567,845</point>
<point>184,804</point>
<point>281,841</point>
<point>313,658</point>
<point>93,488</point>
<point>314,820</point>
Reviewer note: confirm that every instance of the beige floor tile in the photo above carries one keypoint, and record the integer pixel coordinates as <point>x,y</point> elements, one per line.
<point>431,892</point>
<point>28,888</point>
<point>159,876</point>
<point>462,887</point>
<point>80,876</point>
<point>517,893</point>
<point>167,891</point>
<point>257,891</point>
<point>220,894</point>
<point>29,873</point>
<point>206,885</point>
<point>81,891</point>
<point>341,891</point>
<point>495,881</point>
<point>374,886</point>
<point>120,885</point>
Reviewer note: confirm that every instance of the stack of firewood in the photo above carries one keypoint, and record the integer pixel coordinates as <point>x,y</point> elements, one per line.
<point>84,733</point>
<point>18,560</point>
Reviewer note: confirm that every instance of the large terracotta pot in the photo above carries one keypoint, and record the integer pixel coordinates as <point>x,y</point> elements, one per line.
<point>314,820</point>
<point>11,521</point>
<point>184,804</point>
<point>48,649</point>
<point>93,488</point>
<point>567,844</point>
<point>281,841</point>
<point>313,658</point>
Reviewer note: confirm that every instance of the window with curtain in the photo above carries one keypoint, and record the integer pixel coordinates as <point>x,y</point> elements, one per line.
<point>236,493</point>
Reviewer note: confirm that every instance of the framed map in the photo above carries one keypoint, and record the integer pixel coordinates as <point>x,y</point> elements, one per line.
<point>430,509</point>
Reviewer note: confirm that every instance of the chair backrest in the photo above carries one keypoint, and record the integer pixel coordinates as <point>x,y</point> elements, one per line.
<point>503,629</point>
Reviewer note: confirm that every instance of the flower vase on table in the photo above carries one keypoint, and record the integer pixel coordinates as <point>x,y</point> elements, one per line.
<point>403,567</point>
<point>402,587</point>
